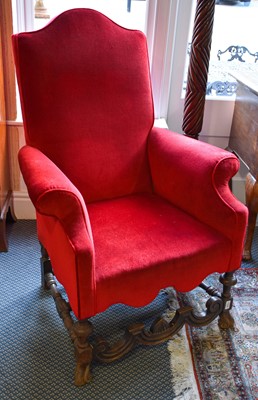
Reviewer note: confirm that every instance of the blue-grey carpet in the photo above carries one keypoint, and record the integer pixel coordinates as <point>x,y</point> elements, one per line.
<point>36,355</point>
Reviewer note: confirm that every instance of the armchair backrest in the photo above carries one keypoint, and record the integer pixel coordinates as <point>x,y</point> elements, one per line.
<point>86,101</point>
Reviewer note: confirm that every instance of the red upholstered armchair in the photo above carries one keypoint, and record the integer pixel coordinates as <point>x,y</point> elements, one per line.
<point>124,209</point>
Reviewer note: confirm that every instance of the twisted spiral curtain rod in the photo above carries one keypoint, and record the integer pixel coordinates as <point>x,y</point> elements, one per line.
<point>198,68</point>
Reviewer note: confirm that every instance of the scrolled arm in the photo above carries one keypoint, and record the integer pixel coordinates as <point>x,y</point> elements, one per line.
<point>63,228</point>
<point>53,194</point>
<point>194,176</point>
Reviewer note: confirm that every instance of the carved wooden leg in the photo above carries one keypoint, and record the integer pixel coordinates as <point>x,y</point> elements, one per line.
<point>226,320</point>
<point>46,266</point>
<point>81,330</point>
<point>252,204</point>
<point>160,331</point>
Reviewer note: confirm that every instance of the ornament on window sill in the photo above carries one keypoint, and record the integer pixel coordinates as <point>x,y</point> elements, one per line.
<point>40,10</point>
<point>237,53</point>
<point>219,88</point>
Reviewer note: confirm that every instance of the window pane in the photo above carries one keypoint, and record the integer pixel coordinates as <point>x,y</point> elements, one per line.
<point>130,14</point>
<point>234,45</point>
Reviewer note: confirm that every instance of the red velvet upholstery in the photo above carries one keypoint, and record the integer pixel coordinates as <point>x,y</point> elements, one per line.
<point>82,83</point>
<point>123,209</point>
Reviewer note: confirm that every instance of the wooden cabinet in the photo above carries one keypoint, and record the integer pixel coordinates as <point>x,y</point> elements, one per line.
<point>244,141</point>
<point>6,208</point>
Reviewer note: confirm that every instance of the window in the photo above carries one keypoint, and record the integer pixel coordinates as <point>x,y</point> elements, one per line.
<point>234,45</point>
<point>34,14</point>
<point>159,16</point>
<point>128,14</point>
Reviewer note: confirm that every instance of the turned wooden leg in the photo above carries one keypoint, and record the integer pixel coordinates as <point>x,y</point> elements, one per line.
<point>226,320</point>
<point>252,204</point>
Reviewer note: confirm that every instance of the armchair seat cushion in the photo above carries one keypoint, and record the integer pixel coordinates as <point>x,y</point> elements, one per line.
<point>176,249</point>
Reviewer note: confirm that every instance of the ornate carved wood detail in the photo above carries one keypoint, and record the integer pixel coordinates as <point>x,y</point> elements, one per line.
<point>89,347</point>
<point>79,332</point>
<point>198,68</point>
<point>159,332</point>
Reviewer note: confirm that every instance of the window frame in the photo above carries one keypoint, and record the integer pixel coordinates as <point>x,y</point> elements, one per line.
<point>161,30</point>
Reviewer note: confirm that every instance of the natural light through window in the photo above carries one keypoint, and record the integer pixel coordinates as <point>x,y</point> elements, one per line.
<point>130,14</point>
<point>234,46</point>
<point>35,14</point>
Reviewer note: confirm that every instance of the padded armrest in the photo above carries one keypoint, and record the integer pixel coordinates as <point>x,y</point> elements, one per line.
<point>53,194</point>
<point>70,244</point>
<point>194,176</point>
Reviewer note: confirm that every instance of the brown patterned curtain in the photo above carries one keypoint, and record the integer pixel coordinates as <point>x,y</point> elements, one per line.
<point>198,68</point>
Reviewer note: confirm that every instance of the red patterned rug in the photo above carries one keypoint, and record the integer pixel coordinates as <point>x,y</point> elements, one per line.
<point>217,364</point>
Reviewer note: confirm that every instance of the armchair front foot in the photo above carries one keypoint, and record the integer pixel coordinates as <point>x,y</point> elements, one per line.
<point>226,321</point>
<point>79,332</point>
<point>83,351</point>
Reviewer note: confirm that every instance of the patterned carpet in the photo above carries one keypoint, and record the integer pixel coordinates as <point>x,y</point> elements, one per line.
<point>36,356</point>
<point>226,362</point>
